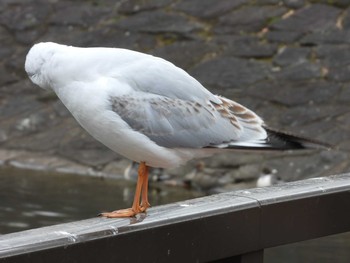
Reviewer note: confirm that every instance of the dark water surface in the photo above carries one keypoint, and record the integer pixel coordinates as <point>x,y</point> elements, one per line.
<point>30,199</point>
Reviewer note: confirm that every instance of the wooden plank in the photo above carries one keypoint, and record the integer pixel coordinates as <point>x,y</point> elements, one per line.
<point>199,230</point>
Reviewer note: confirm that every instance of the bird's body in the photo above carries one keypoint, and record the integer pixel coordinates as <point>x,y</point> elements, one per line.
<point>145,108</point>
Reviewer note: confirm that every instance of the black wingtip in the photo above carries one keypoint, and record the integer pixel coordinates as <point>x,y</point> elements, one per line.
<point>284,140</point>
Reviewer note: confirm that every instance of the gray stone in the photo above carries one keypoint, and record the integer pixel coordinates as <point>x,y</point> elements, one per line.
<point>248,19</point>
<point>184,54</point>
<point>114,37</point>
<point>294,3</point>
<point>344,95</point>
<point>346,20</point>
<point>268,2</point>
<point>299,115</point>
<point>82,148</point>
<point>317,17</point>
<point>48,140</point>
<point>294,89</point>
<point>64,35</point>
<point>15,63</point>
<point>288,56</point>
<point>299,72</point>
<point>159,22</point>
<point>72,13</point>
<point>336,136</point>
<point>338,3</point>
<point>245,46</point>
<point>60,109</point>
<point>299,166</point>
<point>108,36</point>
<point>283,36</point>
<point>233,160</point>
<point>344,119</point>
<point>7,76</point>
<point>341,74</point>
<point>135,6</point>
<point>208,8</point>
<point>229,72</point>
<point>27,37</point>
<point>334,56</point>
<point>7,48</point>
<point>17,106</point>
<point>25,16</point>
<point>329,37</point>
<point>295,93</point>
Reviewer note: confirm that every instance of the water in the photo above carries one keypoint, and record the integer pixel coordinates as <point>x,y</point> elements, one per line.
<point>31,199</point>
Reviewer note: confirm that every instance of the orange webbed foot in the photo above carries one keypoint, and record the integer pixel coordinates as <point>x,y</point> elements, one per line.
<point>122,213</point>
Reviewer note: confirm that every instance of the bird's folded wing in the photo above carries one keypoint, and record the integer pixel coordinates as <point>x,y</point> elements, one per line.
<point>173,122</point>
<point>157,76</point>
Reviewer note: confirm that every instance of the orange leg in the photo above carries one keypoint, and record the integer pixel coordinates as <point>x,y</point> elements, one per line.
<point>141,192</point>
<point>144,195</point>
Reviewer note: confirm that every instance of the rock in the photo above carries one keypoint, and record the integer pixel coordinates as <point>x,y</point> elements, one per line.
<point>294,3</point>
<point>208,8</point>
<point>82,148</point>
<point>233,160</point>
<point>25,16</point>
<point>135,6</point>
<point>108,36</point>
<point>7,49</point>
<point>286,59</point>
<point>339,3</point>
<point>185,54</point>
<point>18,106</point>
<point>298,93</point>
<point>116,168</point>
<point>283,36</point>
<point>290,56</point>
<point>75,13</point>
<point>248,172</point>
<point>346,19</point>
<point>333,56</point>
<point>299,72</point>
<point>48,140</point>
<point>159,22</point>
<point>248,19</point>
<point>314,112</point>
<point>8,77</point>
<point>344,95</point>
<point>316,17</point>
<point>341,74</point>
<point>229,72</point>
<point>245,46</point>
<point>329,37</point>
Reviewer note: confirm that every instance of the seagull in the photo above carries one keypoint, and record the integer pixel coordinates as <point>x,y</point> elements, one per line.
<point>148,110</point>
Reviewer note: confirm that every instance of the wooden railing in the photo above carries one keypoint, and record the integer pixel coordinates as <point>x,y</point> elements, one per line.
<point>230,227</point>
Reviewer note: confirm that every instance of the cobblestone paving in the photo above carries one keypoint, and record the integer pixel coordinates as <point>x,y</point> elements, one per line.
<point>287,60</point>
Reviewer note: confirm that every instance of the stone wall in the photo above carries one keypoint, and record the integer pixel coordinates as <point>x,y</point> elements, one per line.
<point>287,60</point>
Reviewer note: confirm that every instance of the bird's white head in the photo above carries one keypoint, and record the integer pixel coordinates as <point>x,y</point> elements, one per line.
<point>36,62</point>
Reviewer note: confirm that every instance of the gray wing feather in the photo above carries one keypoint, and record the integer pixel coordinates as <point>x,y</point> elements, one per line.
<point>170,81</point>
<point>173,122</point>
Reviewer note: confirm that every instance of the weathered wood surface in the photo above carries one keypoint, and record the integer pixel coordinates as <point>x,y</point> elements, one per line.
<point>199,230</point>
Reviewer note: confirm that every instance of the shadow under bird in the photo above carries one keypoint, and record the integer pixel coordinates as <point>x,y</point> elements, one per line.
<point>148,110</point>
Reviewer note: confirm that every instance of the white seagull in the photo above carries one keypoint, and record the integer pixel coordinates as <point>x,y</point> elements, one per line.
<point>147,109</point>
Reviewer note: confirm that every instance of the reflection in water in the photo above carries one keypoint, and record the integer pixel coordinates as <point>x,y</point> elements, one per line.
<point>30,199</point>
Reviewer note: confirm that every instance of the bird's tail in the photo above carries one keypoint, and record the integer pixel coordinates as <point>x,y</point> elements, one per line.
<point>278,140</point>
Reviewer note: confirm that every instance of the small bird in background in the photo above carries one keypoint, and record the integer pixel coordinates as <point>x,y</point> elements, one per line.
<point>148,110</point>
